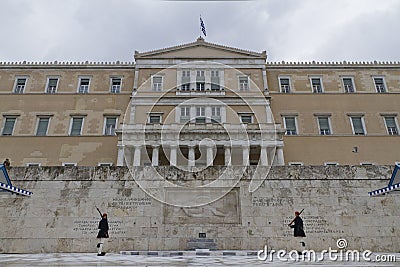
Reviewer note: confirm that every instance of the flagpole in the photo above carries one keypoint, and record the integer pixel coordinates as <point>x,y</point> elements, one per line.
<point>200,26</point>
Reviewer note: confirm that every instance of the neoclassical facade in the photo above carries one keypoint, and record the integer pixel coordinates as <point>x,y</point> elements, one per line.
<point>200,104</point>
<point>196,105</point>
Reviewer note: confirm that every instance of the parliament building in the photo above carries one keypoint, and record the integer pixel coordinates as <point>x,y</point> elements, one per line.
<point>196,105</point>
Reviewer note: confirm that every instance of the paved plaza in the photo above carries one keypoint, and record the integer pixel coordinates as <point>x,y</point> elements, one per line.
<point>85,259</point>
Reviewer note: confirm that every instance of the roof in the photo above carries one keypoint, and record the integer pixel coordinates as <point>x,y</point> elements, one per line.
<point>200,49</point>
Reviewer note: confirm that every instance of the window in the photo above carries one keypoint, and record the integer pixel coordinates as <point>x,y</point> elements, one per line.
<point>9,124</point>
<point>185,114</point>
<point>200,74</point>
<point>104,164</point>
<point>215,83</point>
<point>316,84</point>
<point>76,126</point>
<point>391,125</point>
<point>110,125</point>
<point>357,124</point>
<point>69,164</point>
<point>33,164</point>
<point>284,84</point>
<point>379,85</point>
<point>348,85</point>
<point>154,118</point>
<point>116,85</point>
<point>366,163</point>
<point>42,126</point>
<point>215,114</point>
<point>246,118</point>
<point>200,86</point>
<point>296,164</point>
<point>157,83</point>
<point>323,124</point>
<point>20,84</point>
<point>185,80</point>
<point>331,163</point>
<point>290,125</point>
<point>243,83</point>
<point>83,87</point>
<point>200,80</point>
<point>52,84</point>
<point>200,115</point>
<point>185,87</point>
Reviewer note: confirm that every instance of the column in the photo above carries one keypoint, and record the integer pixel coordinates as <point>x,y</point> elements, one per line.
<point>191,162</point>
<point>228,160</point>
<point>120,158</point>
<point>173,156</point>
<point>136,156</point>
<point>128,154</point>
<point>210,155</point>
<point>265,81</point>
<point>279,155</point>
<point>270,116</point>
<point>154,156</point>
<point>245,152</point>
<point>263,155</point>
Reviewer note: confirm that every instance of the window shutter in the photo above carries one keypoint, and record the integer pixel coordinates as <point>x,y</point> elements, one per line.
<point>290,123</point>
<point>42,126</point>
<point>9,126</point>
<point>76,126</point>
<point>323,123</point>
<point>357,124</point>
<point>390,122</point>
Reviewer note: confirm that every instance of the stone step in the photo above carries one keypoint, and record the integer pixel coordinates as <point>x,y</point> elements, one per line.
<point>198,252</point>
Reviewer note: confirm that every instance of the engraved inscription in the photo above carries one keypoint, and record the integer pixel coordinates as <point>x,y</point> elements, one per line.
<point>89,227</point>
<point>130,202</point>
<point>259,201</point>
<point>313,225</point>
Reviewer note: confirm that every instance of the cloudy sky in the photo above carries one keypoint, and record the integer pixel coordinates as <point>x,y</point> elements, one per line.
<point>110,30</point>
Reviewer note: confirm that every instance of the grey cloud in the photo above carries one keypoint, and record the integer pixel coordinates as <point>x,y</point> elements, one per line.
<point>105,30</point>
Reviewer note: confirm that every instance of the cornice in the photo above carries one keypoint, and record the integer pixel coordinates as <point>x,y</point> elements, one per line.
<point>67,65</point>
<point>199,42</point>
<point>334,64</point>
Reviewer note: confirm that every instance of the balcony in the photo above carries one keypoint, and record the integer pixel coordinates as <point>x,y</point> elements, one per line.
<point>116,89</point>
<point>285,89</point>
<point>317,89</point>
<point>291,132</point>
<point>325,132</point>
<point>392,131</point>
<point>194,92</point>
<point>380,88</point>
<point>19,89</point>
<point>349,89</point>
<point>83,89</point>
<point>51,90</point>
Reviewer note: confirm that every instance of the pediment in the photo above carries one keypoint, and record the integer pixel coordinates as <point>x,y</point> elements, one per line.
<point>200,50</point>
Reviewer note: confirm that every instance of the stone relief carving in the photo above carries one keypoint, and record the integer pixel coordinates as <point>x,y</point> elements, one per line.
<point>222,211</point>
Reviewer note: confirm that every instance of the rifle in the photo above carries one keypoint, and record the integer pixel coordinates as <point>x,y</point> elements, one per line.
<point>295,218</point>
<point>101,215</point>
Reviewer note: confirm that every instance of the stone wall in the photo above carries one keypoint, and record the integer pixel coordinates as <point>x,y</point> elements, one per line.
<point>61,215</point>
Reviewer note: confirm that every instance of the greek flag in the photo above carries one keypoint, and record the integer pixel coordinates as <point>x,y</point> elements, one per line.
<point>202,27</point>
